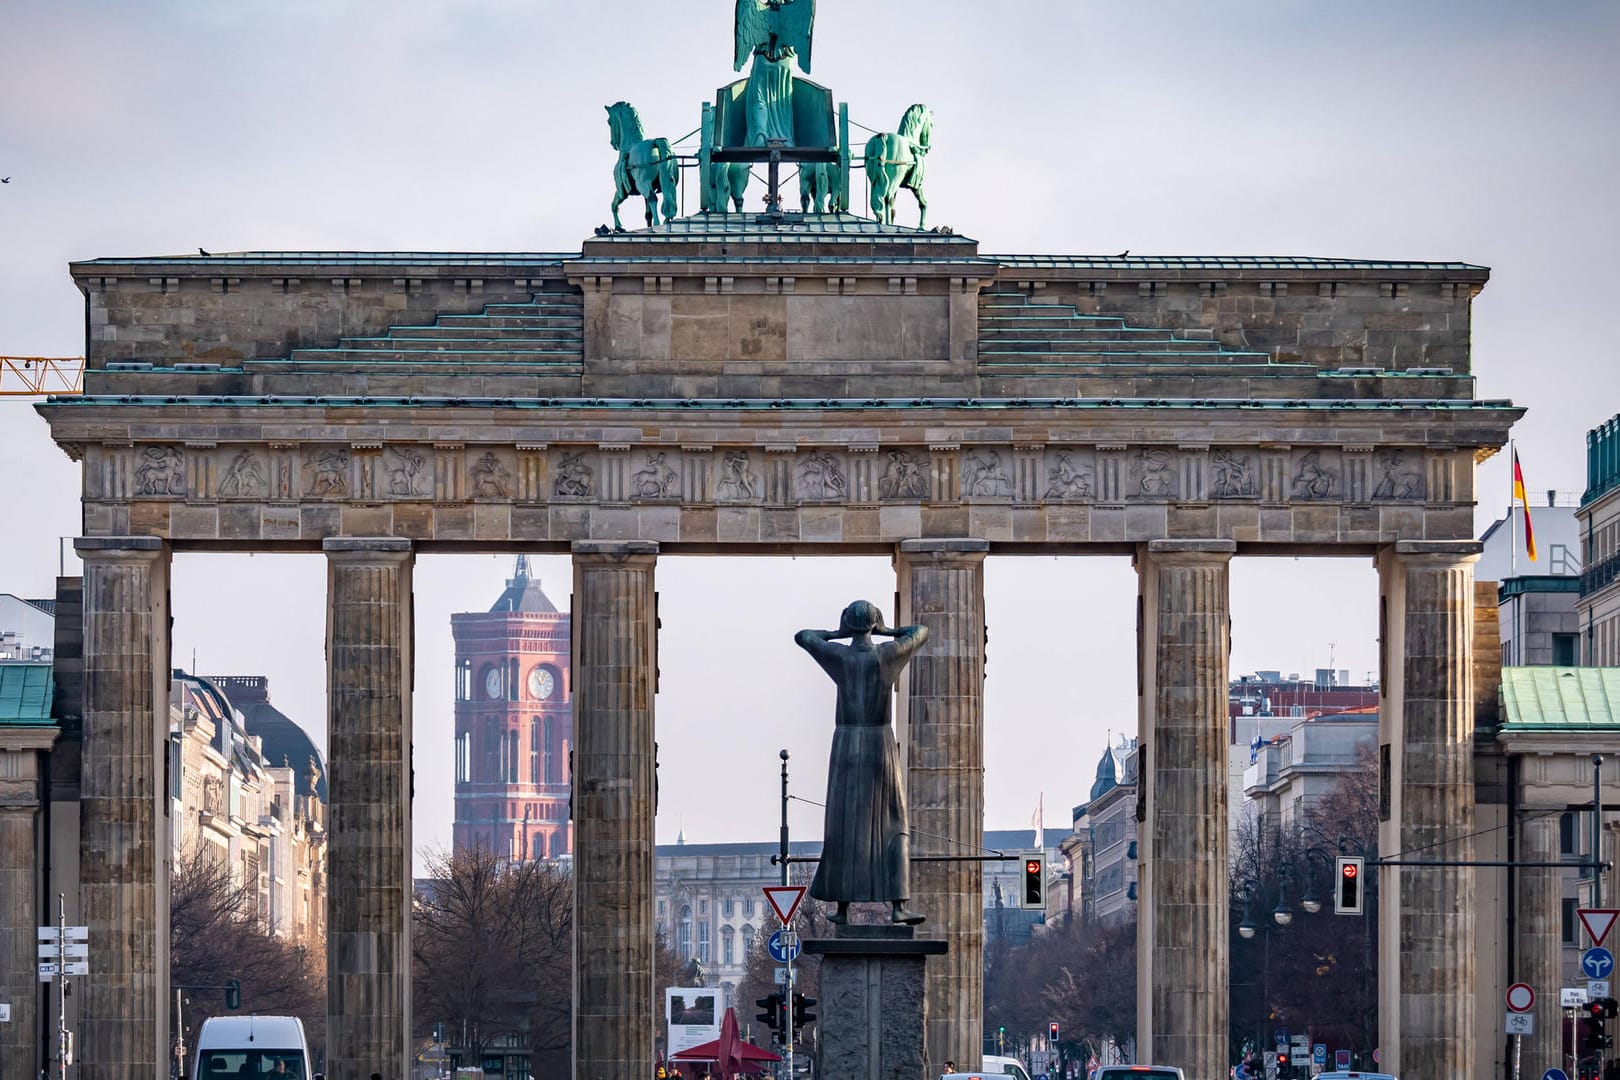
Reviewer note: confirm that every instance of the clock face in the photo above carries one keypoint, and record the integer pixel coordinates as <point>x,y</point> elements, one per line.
<point>541,683</point>
<point>492,683</point>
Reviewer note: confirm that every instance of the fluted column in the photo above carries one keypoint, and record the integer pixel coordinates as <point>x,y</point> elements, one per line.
<point>123,810</point>
<point>1184,639</point>
<point>1540,945</point>
<point>368,899</point>
<point>941,731</point>
<point>615,671</point>
<point>1426,725</point>
<point>22,750</point>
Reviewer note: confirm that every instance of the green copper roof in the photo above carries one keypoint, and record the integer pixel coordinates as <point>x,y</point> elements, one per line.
<point>25,694</point>
<point>1560,699</point>
<point>1220,262</point>
<point>345,258</point>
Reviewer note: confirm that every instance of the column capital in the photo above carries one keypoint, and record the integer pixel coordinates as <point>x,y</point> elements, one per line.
<point>614,551</point>
<point>1186,551</point>
<point>115,547</point>
<point>31,737</point>
<point>961,549</point>
<point>1450,551</point>
<point>367,547</point>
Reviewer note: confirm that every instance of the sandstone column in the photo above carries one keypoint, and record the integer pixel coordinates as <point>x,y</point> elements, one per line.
<point>941,732</point>
<point>22,751</point>
<point>615,671</point>
<point>1540,946</point>
<point>123,810</point>
<point>1426,728</point>
<point>368,901</point>
<point>1184,638</point>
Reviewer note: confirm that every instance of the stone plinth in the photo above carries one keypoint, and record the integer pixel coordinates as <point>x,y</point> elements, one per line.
<point>123,810</point>
<point>873,1007</point>
<point>1182,954</point>
<point>941,732</point>
<point>368,902</point>
<point>614,800</point>
<point>1426,728</point>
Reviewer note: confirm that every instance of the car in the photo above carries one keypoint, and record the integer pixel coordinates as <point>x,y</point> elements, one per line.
<point>1008,1065</point>
<point>252,1046</point>
<point>1353,1074</point>
<point>1138,1072</point>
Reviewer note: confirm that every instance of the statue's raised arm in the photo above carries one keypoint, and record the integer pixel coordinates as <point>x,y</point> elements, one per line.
<point>772,26</point>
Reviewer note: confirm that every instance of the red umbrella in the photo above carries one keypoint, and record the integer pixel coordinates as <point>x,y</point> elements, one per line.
<point>731,1055</point>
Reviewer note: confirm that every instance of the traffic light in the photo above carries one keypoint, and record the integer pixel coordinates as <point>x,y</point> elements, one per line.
<point>801,1010</point>
<point>1033,893</point>
<point>1347,885</point>
<point>771,1006</point>
<point>1052,1031</point>
<point>233,994</point>
<point>1282,1058</point>
<point>1601,1010</point>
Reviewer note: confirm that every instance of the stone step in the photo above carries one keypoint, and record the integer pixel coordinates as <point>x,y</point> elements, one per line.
<point>1127,356</point>
<point>456,341</point>
<point>1004,368</point>
<point>1069,334</point>
<point>1104,348</point>
<point>538,358</point>
<point>498,322</point>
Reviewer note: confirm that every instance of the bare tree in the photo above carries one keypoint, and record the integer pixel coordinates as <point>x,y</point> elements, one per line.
<point>214,938</point>
<point>493,949</point>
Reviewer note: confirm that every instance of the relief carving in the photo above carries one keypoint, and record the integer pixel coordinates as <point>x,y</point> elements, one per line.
<point>1312,480</point>
<point>491,479</point>
<point>903,478</point>
<point>406,466</point>
<point>329,473</point>
<point>985,476</point>
<point>736,481</point>
<point>161,471</point>
<point>656,481</point>
<point>1235,476</point>
<point>244,477</point>
<point>1064,481</point>
<point>1155,475</point>
<point>820,478</point>
<point>574,477</point>
<point>1399,481</point>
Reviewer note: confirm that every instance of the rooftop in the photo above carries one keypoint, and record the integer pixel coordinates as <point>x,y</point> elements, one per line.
<point>25,694</point>
<point>1560,699</point>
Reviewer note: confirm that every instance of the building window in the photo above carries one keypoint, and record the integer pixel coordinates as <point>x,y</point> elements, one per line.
<point>703,907</point>
<point>703,941</point>
<point>464,758</point>
<point>464,681</point>
<point>534,750</point>
<point>512,683</point>
<point>726,907</point>
<point>511,757</point>
<point>1563,648</point>
<point>727,945</point>
<point>748,909</point>
<point>1568,922</point>
<point>748,935</point>
<point>550,744</point>
<point>663,905</point>
<point>683,934</point>
<point>490,772</point>
<point>1567,835</point>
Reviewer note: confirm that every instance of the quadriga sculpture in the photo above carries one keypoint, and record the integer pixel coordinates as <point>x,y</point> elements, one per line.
<point>895,161</point>
<point>646,167</point>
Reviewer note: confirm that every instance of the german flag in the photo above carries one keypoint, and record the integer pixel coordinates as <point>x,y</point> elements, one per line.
<point>1524,501</point>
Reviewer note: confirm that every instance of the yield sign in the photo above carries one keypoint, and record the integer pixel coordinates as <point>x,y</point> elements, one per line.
<point>784,900</point>
<point>1598,922</point>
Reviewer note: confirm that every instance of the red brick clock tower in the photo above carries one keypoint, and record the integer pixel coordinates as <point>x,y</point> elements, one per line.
<point>514,724</point>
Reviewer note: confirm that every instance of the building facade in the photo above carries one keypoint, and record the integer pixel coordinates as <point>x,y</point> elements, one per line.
<point>1598,610</point>
<point>1100,853</point>
<point>1293,770</point>
<point>1536,598</point>
<point>514,724</point>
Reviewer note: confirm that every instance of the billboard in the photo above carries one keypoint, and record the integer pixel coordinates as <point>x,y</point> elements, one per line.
<point>693,1014</point>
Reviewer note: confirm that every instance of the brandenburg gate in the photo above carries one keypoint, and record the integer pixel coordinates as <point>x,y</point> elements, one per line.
<point>731,384</point>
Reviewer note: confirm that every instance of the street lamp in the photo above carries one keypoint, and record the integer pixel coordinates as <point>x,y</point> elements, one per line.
<point>1284,913</point>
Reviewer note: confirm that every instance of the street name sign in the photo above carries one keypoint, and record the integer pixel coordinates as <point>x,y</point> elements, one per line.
<point>49,971</point>
<point>1521,997</point>
<point>1520,1023</point>
<point>1598,922</point>
<point>51,950</point>
<point>1571,997</point>
<point>74,933</point>
<point>784,900</point>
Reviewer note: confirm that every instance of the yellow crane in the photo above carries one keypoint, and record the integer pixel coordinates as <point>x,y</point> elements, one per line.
<point>22,376</point>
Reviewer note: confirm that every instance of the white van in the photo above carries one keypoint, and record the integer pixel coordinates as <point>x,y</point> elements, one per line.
<point>1008,1065</point>
<point>252,1048</point>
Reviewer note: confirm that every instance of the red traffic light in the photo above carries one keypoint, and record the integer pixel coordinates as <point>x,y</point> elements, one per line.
<point>1350,870</point>
<point>1032,866</point>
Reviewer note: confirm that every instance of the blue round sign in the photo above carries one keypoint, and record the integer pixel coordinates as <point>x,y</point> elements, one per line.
<point>780,952</point>
<point>1597,963</point>
<point>1555,1074</point>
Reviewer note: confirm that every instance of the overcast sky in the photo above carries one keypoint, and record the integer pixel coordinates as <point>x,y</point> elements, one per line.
<point>1449,129</point>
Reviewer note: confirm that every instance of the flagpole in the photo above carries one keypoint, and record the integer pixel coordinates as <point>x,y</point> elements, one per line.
<point>1513,528</point>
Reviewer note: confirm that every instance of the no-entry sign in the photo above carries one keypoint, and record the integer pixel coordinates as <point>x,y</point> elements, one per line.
<point>1520,998</point>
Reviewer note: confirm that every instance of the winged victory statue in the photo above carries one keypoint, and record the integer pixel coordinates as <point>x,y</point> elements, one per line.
<point>775,33</point>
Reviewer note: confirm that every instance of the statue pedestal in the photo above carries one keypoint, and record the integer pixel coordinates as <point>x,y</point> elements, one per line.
<point>872,1007</point>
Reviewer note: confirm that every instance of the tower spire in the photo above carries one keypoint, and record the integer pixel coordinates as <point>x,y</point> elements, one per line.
<point>520,573</point>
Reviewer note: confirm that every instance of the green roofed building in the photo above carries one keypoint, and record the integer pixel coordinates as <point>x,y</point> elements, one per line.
<point>27,733</point>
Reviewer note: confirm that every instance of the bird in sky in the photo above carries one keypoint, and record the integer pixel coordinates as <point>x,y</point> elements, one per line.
<point>1122,254</point>
<point>200,251</point>
<point>5,179</point>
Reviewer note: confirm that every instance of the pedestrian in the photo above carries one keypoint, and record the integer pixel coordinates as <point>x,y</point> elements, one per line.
<point>950,1067</point>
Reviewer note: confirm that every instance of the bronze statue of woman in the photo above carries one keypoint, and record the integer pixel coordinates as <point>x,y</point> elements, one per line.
<point>866,848</point>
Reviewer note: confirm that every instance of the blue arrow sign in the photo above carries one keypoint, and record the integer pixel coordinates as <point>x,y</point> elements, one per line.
<point>1555,1074</point>
<point>1597,963</point>
<point>780,952</point>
